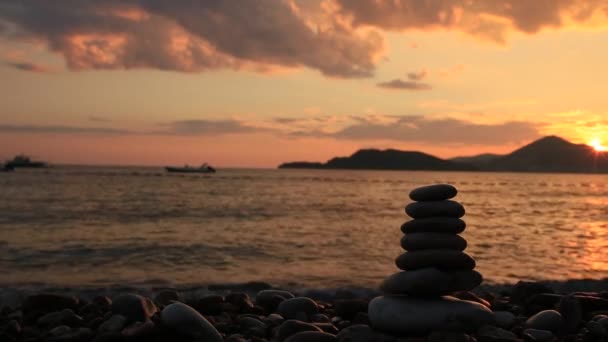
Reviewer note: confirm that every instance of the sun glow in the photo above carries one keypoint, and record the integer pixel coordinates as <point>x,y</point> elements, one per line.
<point>597,145</point>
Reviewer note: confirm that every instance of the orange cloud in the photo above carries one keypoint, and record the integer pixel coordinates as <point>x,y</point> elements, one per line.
<point>489,19</point>
<point>194,36</point>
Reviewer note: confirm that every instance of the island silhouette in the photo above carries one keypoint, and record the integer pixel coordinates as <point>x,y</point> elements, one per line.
<point>548,154</point>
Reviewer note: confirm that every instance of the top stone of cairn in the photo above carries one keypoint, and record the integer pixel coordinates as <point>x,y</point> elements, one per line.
<point>436,192</point>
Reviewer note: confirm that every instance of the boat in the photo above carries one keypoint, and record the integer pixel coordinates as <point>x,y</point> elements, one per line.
<point>22,160</point>
<point>190,169</point>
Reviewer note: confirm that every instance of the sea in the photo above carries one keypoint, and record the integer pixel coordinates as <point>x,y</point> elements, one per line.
<point>83,226</point>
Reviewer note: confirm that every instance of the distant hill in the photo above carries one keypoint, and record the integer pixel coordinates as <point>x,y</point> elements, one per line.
<point>373,159</point>
<point>549,154</point>
<point>552,154</point>
<point>478,160</point>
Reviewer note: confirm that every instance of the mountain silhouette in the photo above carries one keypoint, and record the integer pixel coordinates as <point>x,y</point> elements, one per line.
<point>552,154</point>
<point>373,159</point>
<point>548,154</point>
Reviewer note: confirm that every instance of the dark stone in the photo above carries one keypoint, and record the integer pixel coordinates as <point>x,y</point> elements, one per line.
<point>348,308</point>
<point>291,327</point>
<point>590,304</point>
<point>443,259</point>
<point>48,302</point>
<point>448,336</point>
<point>108,337</point>
<point>210,305</point>
<point>319,318</point>
<point>63,317</point>
<point>102,301</point>
<point>523,290</point>
<point>470,296</point>
<point>420,241</point>
<point>188,322</point>
<point>73,335</point>
<point>235,338</point>
<point>363,333</point>
<point>446,208</point>
<point>489,333</point>
<point>448,225</point>
<point>290,308</point>
<point>166,297</point>
<point>134,307</point>
<point>435,192</point>
<point>312,336</point>
<point>327,327</point>
<point>241,300</point>
<point>430,282</point>
<point>270,299</point>
<point>541,301</point>
<point>570,308</point>
<point>549,320</point>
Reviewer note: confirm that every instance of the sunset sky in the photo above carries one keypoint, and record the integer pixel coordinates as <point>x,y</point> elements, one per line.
<point>257,83</point>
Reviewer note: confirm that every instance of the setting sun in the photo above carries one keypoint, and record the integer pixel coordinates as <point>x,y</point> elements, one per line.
<point>597,145</point>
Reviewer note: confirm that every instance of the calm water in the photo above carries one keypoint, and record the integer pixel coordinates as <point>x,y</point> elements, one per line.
<point>84,226</point>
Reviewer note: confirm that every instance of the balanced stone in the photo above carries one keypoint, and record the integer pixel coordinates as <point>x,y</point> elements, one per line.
<point>443,259</point>
<point>428,282</point>
<point>434,225</point>
<point>437,192</point>
<point>419,241</point>
<point>403,314</point>
<point>445,208</point>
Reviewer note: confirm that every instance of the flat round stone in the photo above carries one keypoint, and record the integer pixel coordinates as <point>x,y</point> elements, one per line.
<point>434,225</point>
<point>445,208</point>
<point>436,192</point>
<point>421,241</point>
<point>430,282</point>
<point>403,315</point>
<point>443,259</point>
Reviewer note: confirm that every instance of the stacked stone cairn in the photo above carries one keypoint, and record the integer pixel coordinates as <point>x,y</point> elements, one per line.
<point>417,299</point>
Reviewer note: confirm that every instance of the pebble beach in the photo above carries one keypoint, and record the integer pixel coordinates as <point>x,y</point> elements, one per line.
<point>436,296</point>
<point>525,311</point>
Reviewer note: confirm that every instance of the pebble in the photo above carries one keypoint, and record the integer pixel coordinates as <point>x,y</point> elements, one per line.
<point>187,321</point>
<point>436,192</point>
<point>133,307</point>
<point>312,336</point>
<point>166,297</point>
<point>489,333</point>
<point>447,225</point>
<point>443,259</point>
<point>430,282</point>
<point>448,336</point>
<point>48,302</point>
<point>290,308</point>
<point>504,319</point>
<point>446,208</point>
<point>139,329</point>
<point>570,309</point>
<point>539,335</point>
<point>597,329</point>
<point>420,241</point>
<point>63,317</point>
<point>270,299</point>
<point>550,320</point>
<point>363,333</point>
<point>403,315</point>
<point>113,324</point>
<point>247,322</point>
<point>210,305</point>
<point>291,327</point>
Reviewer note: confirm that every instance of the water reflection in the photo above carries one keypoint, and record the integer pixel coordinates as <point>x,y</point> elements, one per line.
<point>318,228</point>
